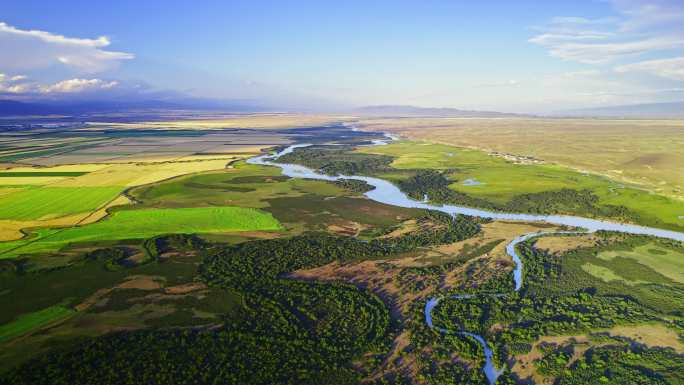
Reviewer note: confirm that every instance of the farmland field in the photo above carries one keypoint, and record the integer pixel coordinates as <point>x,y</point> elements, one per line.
<point>50,202</point>
<point>140,224</point>
<point>192,250</point>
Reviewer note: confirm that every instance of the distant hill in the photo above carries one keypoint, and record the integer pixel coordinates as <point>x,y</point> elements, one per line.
<point>22,108</point>
<point>12,107</point>
<point>400,110</point>
<point>651,110</point>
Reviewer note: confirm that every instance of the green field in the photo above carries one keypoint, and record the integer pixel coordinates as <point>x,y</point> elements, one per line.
<point>49,202</point>
<point>502,180</point>
<point>606,274</point>
<point>245,186</point>
<point>31,321</point>
<point>140,224</point>
<point>299,203</point>
<point>665,261</point>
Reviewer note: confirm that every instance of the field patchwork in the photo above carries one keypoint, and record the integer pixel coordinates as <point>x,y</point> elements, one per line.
<point>145,223</point>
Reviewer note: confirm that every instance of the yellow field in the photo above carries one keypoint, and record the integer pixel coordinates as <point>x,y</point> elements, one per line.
<point>44,180</point>
<point>234,121</point>
<point>644,152</point>
<point>136,174</point>
<point>123,175</point>
<point>12,230</point>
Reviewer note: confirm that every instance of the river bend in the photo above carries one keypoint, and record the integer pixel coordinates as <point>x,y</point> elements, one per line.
<point>388,193</point>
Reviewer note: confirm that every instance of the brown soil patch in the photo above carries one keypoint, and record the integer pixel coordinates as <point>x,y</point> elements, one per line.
<point>559,245</point>
<point>185,288</point>
<point>396,362</point>
<point>524,368</point>
<point>652,335</point>
<point>260,234</point>
<point>348,229</point>
<point>405,228</point>
<point>140,284</point>
<point>378,276</point>
<point>92,300</point>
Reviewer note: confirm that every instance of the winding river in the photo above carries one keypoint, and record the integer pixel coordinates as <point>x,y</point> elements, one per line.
<point>388,193</point>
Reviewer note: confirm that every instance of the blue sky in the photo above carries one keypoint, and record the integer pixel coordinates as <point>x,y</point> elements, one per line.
<point>526,56</point>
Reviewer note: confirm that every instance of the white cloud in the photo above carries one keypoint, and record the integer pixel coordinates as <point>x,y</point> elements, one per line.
<point>672,68</point>
<point>78,85</point>
<point>12,85</point>
<point>655,13</point>
<point>33,49</point>
<point>641,28</point>
<point>19,84</point>
<point>550,39</point>
<point>598,53</point>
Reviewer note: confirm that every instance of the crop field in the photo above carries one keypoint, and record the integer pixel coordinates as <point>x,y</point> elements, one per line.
<point>499,180</point>
<point>74,192</point>
<point>49,202</point>
<point>298,204</point>
<point>145,223</point>
<point>252,121</point>
<point>245,185</point>
<point>21,176</point>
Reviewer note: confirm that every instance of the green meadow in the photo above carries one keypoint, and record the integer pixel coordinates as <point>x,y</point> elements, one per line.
<point>41,202</point>
<point>501,180</point>
<point>606,274</point>
<point>246,186</point>
<point>666,261</point>
<point>144,223</point>
<point>300,204</point>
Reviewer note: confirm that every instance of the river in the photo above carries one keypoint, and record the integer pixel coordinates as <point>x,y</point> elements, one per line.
<point>388,193</point>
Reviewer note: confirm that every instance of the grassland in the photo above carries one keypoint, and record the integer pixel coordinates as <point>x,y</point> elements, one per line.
<point>666,261</point>
<point>606,274</point>
<point>299,204</point>
<point>501,180</point>
<point>50,202</point>
<point>32,321</point>
<point>643,152</point>
<point>145,223</point>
